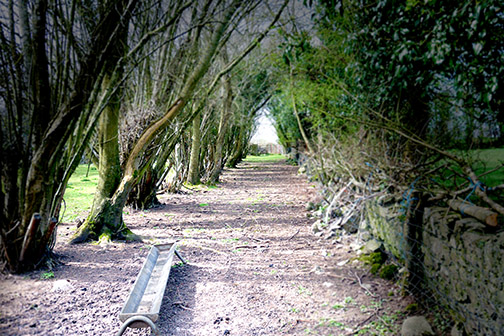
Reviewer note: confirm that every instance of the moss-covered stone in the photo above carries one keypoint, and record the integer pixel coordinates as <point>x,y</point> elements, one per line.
<point>373,258</point>
<point>411,308</point>
<point>388,272</point>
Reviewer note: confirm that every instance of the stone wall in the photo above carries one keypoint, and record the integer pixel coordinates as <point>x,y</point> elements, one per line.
<point>462,264</point>
<point>383,221</point>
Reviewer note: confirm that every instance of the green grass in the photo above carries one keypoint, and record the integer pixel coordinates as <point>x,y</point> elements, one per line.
<point>487,159</point>
<point>47,275</point>
<point>481,160</point>
<point>80,192</point>
<point>265,158</point>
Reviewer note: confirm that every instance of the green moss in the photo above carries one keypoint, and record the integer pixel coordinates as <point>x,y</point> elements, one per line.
<point>105,236</point>
<point>388,272</point>
<point>411,308</point>
<point>373,258</point>
<point>375,268</point>
<point>130,236</point>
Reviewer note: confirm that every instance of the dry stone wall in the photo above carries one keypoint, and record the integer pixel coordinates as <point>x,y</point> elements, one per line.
<point>462,264</point>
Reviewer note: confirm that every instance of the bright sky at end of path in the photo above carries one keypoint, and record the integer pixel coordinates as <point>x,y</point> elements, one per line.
<point>265,133</point>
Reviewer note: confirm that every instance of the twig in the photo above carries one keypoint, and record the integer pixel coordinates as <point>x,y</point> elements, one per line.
<point>13,228</point>
<point>338,277</point>
<point>259,240</point>
<point>360,324</point>
<point>294,235</point>
<point>375,313</point>
<point>362,286</point>
<point>250,246</point>
<point>384,322</point>
<point>181,305</point>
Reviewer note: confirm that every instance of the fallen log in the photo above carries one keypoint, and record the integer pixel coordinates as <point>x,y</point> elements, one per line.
<point>484,215</point>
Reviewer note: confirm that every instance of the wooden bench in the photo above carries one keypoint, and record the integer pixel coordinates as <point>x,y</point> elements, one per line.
<point>141,309</point>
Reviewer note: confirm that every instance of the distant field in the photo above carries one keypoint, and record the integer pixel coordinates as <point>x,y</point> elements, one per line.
<point>486,160</point>
<point>265,158</point>
<point>79,193</point>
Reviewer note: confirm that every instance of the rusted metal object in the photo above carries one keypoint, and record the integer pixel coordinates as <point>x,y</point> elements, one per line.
<point>141,309</point>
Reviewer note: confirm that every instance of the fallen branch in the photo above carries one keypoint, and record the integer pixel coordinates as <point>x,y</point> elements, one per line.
<point>357,329</point>
<point>482,214</point>
<point>481,193</point>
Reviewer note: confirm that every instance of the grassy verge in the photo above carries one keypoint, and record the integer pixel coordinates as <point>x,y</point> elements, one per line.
<point>79,193</point>
<point>265,158</point>
<point>488,159</point>
<point>481,161</point>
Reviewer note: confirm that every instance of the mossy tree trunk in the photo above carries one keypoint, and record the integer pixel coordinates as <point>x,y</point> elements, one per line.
<point>109,175</point>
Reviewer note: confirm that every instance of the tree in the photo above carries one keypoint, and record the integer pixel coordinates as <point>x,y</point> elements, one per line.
<point>227,97</point>
<point>47,116</point>
<point>410,54</point>
<point>253,92</point>
<point>376,82</point>
<point>194,163</point>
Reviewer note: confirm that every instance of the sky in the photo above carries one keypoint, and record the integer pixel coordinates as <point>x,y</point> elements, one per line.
<point>265,133</point>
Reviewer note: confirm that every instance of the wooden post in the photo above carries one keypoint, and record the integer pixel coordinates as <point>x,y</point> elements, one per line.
<point>30,233</point>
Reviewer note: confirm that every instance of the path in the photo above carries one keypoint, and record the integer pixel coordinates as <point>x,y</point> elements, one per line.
<point>254,268</point>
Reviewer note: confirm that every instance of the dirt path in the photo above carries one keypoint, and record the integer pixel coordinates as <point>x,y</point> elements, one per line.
<point>254,268</point>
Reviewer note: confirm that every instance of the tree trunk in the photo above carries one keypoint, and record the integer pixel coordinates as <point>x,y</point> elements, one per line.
<point>237,154</point>
<point>194,163</point>
<point>105,222</point>
<point>109,174</point>
<point>103,217</point>
<point>109,166</point>
<point>46,164</point>
<point>223,122</point>
<point>296,114</point>
<point>143,196</point>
